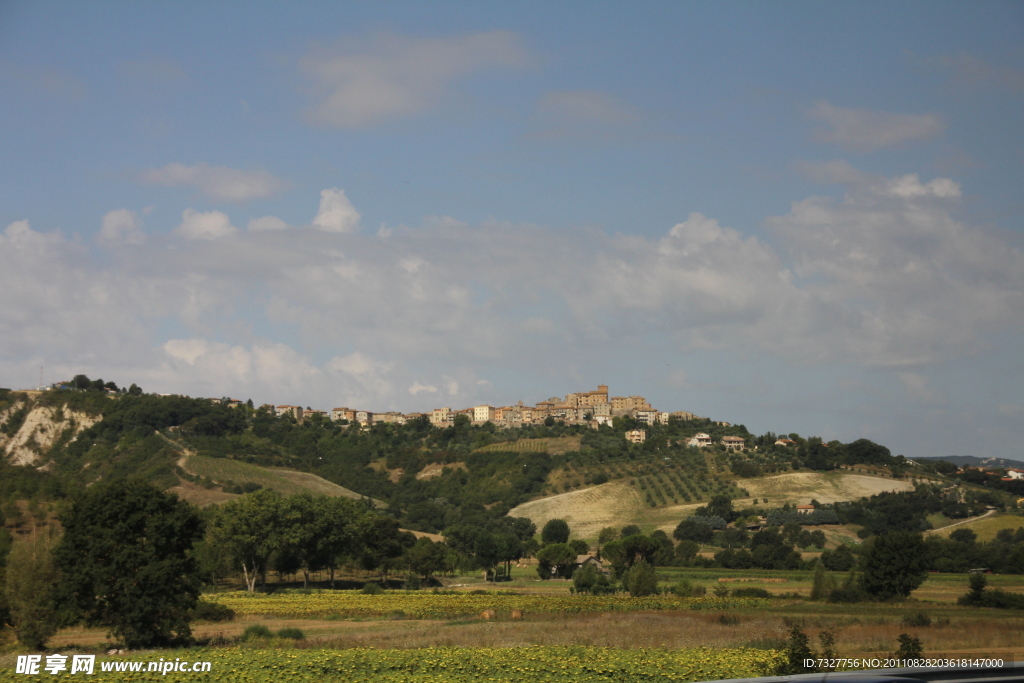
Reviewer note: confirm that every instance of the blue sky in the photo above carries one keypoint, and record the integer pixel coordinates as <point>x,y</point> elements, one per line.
<point>799,216</point>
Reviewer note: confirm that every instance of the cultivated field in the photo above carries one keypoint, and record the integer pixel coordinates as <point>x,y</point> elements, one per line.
<point>285,482</point>
<point>827,487</point>
<point>554,446</point>
<point>614,504</point>
<point>617,504</point>
<point>985,527</point>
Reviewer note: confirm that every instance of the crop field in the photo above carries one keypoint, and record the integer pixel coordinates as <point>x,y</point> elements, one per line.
<point>450,665</point>
<point>555,446</point>
<point>828,487</point>
<point>613,504</point>
<point>285,482</point>
<point>986,528</point>
<point>423,605</point>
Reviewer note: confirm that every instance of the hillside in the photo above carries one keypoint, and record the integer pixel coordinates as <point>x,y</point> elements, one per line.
<point>975,461</point>
<point>617,503</point>
<point>431,479</point>
<point>227,473</point>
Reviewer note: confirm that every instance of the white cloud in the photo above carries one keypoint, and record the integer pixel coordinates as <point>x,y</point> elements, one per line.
<point>582,114</point>
<point>209,225</point>
<point>418,388</point>
<point>910,187</point>
<point>918,386</point>
<point>336,212</point>
<point>266,223</point>
<point>863,130</point>
<point>883,276</point>
<point>968,70</point>
<point>218,183</point>
<point>361,83</point>
<point>121,226</point>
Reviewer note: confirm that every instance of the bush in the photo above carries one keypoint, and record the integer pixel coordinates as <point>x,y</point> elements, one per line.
<point>372,589</point>
<point>641,580</point>
<point>211,611</point>
<point>919,618</point>
<point>910,647</point>
<point>685,589</point>
<point>293,633</point>
<point>750,593</point>
<point>255,632</point>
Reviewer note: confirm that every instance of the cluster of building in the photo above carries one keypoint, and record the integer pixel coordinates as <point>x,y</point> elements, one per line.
<point>589,407</point>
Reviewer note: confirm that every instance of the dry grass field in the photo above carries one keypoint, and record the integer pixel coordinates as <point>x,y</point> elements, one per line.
<point>554,446</point>
<point>617,504</point>
<point>828,487</point>
<point>285,482</point>
<point>985,527</point>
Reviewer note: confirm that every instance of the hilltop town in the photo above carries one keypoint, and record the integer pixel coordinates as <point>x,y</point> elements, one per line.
<point>593,408</point>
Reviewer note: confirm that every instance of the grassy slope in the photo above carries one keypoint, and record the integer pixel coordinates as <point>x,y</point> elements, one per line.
<point>986,528</point>
<point>616,504</point>
<point>283,481</point>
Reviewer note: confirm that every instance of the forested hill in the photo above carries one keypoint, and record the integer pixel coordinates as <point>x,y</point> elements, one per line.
<point>430,478</point>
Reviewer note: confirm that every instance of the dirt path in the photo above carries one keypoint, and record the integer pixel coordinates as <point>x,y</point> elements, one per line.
<point>962,521</point>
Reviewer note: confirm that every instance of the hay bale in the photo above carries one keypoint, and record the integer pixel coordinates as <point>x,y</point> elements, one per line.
<point>488,614</point>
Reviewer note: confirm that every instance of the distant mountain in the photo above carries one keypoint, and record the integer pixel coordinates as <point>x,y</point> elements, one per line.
<point>975,461</point>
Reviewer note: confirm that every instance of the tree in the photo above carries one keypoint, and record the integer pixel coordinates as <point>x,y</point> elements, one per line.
<point>248,527</point>
<point>693,530</point>
<point>641,580</point>
<point>555,531</point>
<point>557,558</point>
<point>425,557</point>
<point>606,535</point>
<point>126,562</point>
<point>31,576</point>
<point>630,530</point>
<point>894,565</point>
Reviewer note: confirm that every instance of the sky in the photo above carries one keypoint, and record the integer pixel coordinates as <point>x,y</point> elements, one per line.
<point>799,216</point>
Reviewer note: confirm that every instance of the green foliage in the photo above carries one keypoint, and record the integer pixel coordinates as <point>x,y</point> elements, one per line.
<point>910,647</point>
<point>558,559</point>
<point>685,589</point>
<point>291,633</point>
<point>126,562</point>
<point>823,582</point>
<point>750,592</point>
<point>798,650</point>
<point>211,611</point>
<point>919,618</point>
<point>372,589</point>
<point>894,565</point>
<point>979,596</point>
<point>30,578</point>
<point>255,632</point>
<point>555,531</point>
<point>641,580</point>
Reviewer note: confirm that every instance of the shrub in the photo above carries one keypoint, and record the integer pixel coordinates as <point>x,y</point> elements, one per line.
<point>372,589</point>
<point>919,618</point>
<point>256,631</point>
<point>211,611</point>
<point>910,647</point>
<point>293,633</point>
<point>750,593</point>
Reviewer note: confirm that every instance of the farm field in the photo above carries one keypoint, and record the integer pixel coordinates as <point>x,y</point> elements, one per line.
<point>616,503</point>
<point>985,527</point>
<point>554,446</point>
<point>285,482</point>
<point>457,665</point>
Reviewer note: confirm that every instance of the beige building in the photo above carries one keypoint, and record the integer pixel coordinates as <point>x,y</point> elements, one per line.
<point>294,411</point>
<point>700,440</point>
<point>364,417</point>
<point>483,414</point>
<point>343,414</point>
<point>624,405</point>
<point>734,443</point>
<point>648,417</point>
<point>636,436</point>
<point>390,416</point>
<point>441,417</point>
<point>588,398</point>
